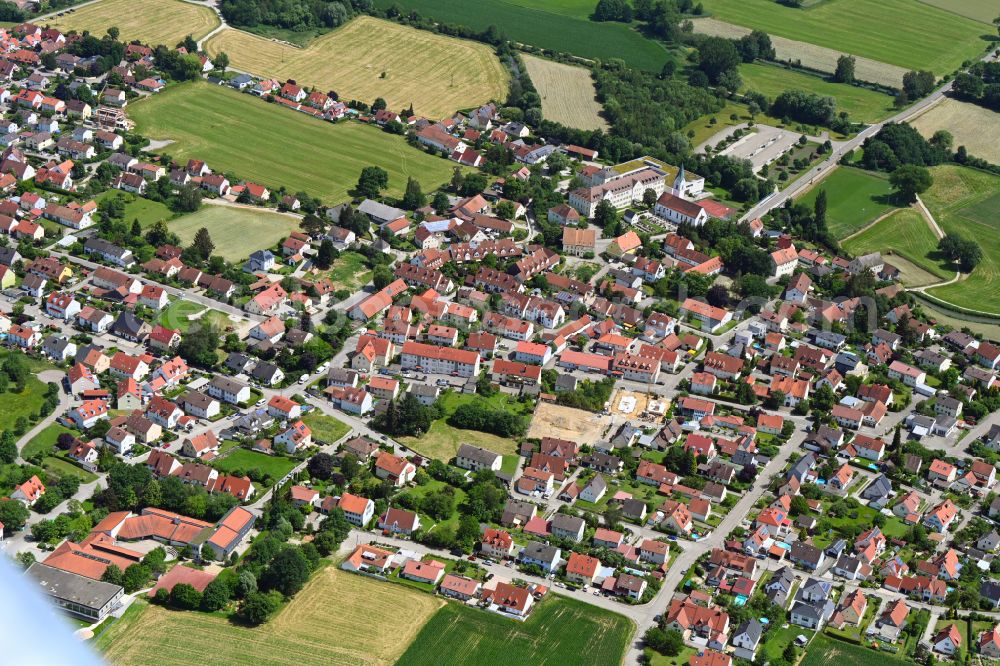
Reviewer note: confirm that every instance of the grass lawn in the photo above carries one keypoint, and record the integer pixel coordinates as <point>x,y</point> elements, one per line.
<point>349,271</point>
<point>437,74</point>
<point>176,315</point>
<point>561,25</point>
<point>862,104</point>
<point>60,467</point>
<point>682,659</point>
<point>433,486</point>
<point>146,211</point>
<point>303,632</point>
<point>244,460</point>
<point>559,631</point>
<point>233,228</point>
<point>509,464</point>
<point>702,129</point>
<point>276,146</point>
<point>854,198</point>
<point>826,651</point>
<point>899,32</point>
<point>904,234</point>
<point>777,639</point>
<point>442,440</point>
<point>967,202</point>
<point>325,428</point>
<point>152,22</point>
<point>45,441</point>
<point>14,405</point>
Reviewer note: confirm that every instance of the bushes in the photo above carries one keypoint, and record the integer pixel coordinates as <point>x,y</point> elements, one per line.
<point>259,606</point>
<point>480,416</point>
<point>804,107</point>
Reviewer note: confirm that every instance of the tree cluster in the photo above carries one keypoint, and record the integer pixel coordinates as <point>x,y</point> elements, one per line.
<point>964,251</point>
<point>979,85</point>
<point>898,144</point>
<point>298,15</point>
<point>478,415</point>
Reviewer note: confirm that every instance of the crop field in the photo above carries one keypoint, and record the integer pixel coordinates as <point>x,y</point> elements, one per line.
<point>403,65</point>
<point>335,619</point>
<point>967,202</point>
<point>863,105</point>
<point>559,631</point>
<point>922,37</point>
<point>965,121</point>
<point>904,234</point>
<point>568,93</point>
<point>825,651</point>
<point>236,232</point>
<point>152,22</point>
<point>983,11</point>
<point>854,198</point>
<point>277,146</point>
<point>563,28</point>
<point>820,58</point>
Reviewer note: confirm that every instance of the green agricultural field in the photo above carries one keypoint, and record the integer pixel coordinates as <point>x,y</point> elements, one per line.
<point>967,202</point>
<point>854,198</point>
<point>862,104</point>
<point>904,234</point>
<point>561,28</point>
<point>983,11</point>
<point>325,428</point>
<point>236,232</point>
<point>244,460</point>
<point>899,32</point>
<point>826,651</point>
<point>559,631</point>
<point>277,146</point>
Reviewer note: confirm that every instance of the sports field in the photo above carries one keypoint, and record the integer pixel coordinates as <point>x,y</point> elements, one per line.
<point>966,123</point>
<point>904,234</point>
<point>967,202</point>
<point>559,631</point>
<point>564,28</point>
<point>338,618</point>
<point>862,104</point>
<point>276,146</point>
<point>854,198</point>
<point>436,74</point>
<point>983,11</point>
<point>152,22</point>
<point>236,232</point>
<point>568,93</point>
<point>898,32</point>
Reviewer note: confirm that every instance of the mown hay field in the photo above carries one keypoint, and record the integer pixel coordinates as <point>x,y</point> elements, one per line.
<point>236,232</point>
<point>854,197</point>
<point>275,146</point>
<point>568,93</point>
<point>983,11</point>
<point>150,21</point>
<point>369,58</point>
<point>338,618</point>
<point>966,201</point>
<point>907,242</point>
<point>862,104</point>
<point>967,123</point>
<point>816,57</point>
<point>898,32</point>
<point>563,28</point>
<point>559,631</point>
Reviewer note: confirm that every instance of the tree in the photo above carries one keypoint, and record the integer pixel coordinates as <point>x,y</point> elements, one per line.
<point>668,642</point>
<point>382,276</point>
<point>966,252</point>
<point>199,344</point>
<point>716,56</point>
<point>910,180</point>
<point>917,84</point>
<point>222,60</point>
<point>246,584</point>
<point>324,256</point>
<point>258,607</point>
<point>112,575</point>
<point>216,595</point>
<point>202,245</point>
<point>414,197</point>
<point>845,69</point>
<point>605,215</point>
<point>287,572</point>
<point>372,181</point>
<point>8,449</point>
<point>819,210</point>
<point>379,104</point>
<point>320,466</point>
<point>134,577</point>
<point>25,558</point>
<point>13,515</point>
<point>185,597</point>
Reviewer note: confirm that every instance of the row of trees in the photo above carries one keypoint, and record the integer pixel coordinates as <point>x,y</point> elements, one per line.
<point>297,15</point>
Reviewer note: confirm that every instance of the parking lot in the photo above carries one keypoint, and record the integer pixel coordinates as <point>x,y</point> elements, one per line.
<point>763,146</point>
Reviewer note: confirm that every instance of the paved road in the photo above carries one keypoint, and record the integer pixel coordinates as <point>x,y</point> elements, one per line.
<point>65,400</point>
